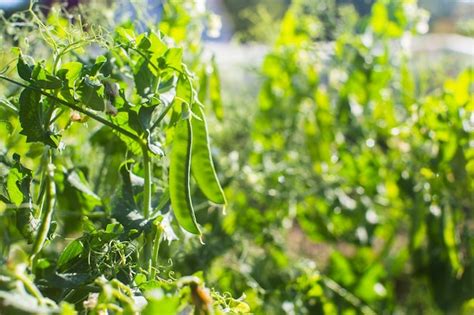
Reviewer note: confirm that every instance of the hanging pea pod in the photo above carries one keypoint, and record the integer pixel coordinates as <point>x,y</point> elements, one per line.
<point>180,166</point>
<point>202,166</point>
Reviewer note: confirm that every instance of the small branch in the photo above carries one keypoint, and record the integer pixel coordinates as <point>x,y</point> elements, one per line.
<point>79,109</point>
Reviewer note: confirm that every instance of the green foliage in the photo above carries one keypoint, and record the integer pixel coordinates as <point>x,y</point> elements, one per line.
<point>348,182</point>
<point>117,95</point>
<point>371,166</point>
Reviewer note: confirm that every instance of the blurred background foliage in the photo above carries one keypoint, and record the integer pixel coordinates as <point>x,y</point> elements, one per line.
<point>350,173</point>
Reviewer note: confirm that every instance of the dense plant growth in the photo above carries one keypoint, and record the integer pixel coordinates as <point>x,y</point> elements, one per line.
<point>346,187</point>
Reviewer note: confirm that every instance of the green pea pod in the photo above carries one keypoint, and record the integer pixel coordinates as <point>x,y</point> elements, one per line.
<point>202,166</point>
<point>179,176</point>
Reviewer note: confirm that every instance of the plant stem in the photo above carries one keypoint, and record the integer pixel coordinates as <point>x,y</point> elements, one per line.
<point>156,249</point>
<point>79,109</point>
<point>162,116</point>
<point>47,213</point>
<point>147,176</point>
<point>147,203</point>
<point>30,286</point>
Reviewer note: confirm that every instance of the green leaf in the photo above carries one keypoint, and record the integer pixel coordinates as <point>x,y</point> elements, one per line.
<point>124,206</point>
<point>144,78</point>
<point>145,115</point>
<point>174,57</point>
<point>164,305</point>
<point>124,120</point>
<point>76,179</point>
<point>99,63</point>
<point>18,187</point>
<point>7,125</point>
<point>24,70</point>
<point>167,90</point>
<point>70,71</point>
<point>31,119</point>
<point>91,92</point>
<point>72,250</point>
<point>45,80</point>
<point>144,43</point>
<point>202,165</point>
<point>179,176</point>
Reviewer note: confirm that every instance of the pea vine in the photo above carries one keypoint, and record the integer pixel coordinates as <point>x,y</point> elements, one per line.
<point>136,88</point>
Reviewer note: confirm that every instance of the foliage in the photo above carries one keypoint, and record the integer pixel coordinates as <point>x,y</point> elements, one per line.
<point>347,184</point>
<point>370,160</point>
<point>98,103</point>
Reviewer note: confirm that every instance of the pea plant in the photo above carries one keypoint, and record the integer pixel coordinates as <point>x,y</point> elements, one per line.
<point>358,163</point>
<point>106,143</point>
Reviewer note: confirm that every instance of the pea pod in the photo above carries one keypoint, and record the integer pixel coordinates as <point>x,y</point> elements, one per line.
<point>202,166</point>
<point>179,176</point>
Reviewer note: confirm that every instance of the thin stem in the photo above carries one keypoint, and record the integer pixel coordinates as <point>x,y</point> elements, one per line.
<point>156,249</point>
<point>47,213</point>
<point>147,202</point>
<point>57,116</point>
<point>162,116</point>
<point>147,189</point>
<point>348,296</point>
<point>79,109</point>
<point>30,286</point>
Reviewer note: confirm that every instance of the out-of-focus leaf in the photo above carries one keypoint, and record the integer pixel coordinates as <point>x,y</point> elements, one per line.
<point>215,91</point>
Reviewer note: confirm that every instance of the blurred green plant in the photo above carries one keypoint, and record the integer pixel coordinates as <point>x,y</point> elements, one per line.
<point>358,162</point>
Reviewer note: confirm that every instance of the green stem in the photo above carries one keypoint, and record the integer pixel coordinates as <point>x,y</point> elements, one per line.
<point>147,176</point>
<point>30,286</point>
<point>79,109</point>
<point>147,203</point>
<point>162,116</point>
<point>47,213</point>
<point>156,249</point>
